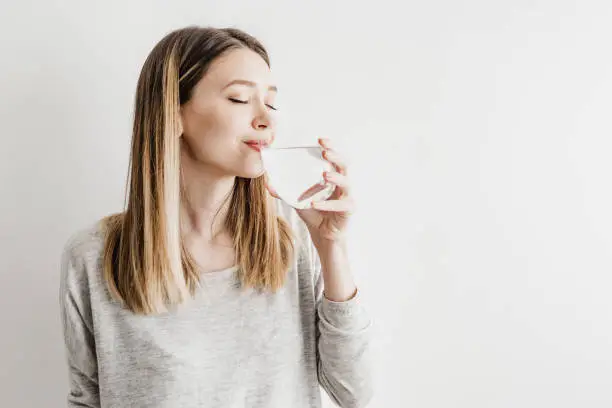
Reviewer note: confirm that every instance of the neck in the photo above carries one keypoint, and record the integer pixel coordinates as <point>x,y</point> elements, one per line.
<point>206,199</point>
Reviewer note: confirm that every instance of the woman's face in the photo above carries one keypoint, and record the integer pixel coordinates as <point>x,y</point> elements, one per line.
<point>231,104</point>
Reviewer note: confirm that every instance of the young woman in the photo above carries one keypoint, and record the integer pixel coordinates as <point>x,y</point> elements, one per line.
<point>208,290</point>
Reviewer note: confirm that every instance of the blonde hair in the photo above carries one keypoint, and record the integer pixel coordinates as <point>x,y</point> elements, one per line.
<point>145,263</point>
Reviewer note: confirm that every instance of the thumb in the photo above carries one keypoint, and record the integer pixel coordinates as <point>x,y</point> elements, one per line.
<point>271,190</point>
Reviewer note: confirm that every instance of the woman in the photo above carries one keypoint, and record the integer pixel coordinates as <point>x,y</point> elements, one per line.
<point>208,291</point>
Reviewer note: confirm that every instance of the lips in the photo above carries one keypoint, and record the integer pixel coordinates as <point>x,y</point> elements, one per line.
<point>257,144</point>
<point>254,146</point>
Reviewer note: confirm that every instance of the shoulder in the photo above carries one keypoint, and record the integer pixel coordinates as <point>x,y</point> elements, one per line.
<point>81,255</point>
<point>84,243</point>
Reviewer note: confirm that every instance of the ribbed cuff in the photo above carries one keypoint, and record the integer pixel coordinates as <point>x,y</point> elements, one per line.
<point>346,315</point>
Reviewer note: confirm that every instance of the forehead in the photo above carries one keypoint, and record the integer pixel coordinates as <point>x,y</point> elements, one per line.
<point>239,63</point>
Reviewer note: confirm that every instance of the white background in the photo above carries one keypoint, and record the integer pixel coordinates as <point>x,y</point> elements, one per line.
<point>478,134</point>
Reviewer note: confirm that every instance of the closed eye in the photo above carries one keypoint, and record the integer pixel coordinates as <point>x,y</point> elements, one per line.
<point>245,102</point>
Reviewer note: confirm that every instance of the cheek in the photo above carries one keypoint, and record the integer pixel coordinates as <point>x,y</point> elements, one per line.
<point>214,136</point>
<point>215,123</point>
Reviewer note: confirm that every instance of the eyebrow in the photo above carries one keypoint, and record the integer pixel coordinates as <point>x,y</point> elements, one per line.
<point>249,83</point>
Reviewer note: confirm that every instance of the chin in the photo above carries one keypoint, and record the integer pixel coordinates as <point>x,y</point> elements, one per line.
<point>251,172</point>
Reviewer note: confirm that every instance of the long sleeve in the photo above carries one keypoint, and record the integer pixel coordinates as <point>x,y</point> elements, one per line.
<point>77,326</point>
<point>343,338</point>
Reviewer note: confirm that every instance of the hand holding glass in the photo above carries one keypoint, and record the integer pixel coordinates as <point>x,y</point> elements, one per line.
<point>296,174</point>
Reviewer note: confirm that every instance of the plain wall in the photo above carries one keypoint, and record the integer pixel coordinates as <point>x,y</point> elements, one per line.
<point>478,136</point>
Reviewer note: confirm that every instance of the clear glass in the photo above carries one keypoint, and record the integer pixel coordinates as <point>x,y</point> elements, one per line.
<point>296,174</point>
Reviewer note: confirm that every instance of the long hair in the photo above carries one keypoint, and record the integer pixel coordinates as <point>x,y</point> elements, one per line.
<point>146,265</point>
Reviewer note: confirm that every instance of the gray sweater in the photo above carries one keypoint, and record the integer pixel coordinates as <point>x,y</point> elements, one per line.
<point>227,348</point>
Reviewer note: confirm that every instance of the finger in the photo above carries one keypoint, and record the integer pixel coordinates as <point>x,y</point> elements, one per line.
<point>326,143</point>
<point>334,158</point>
<point>344,205</point>
<point>312,191</point>
<point>341,181</point>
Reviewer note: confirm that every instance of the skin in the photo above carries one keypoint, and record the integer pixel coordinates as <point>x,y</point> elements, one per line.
<point>214,126</point>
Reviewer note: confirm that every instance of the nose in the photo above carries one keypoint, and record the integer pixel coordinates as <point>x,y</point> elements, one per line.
<point>263,119</point>
<point>262,122</point>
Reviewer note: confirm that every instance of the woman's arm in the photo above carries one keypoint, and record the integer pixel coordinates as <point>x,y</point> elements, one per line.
<point>343,331</point>
<point>77,326</point>
<point>342,325</point>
